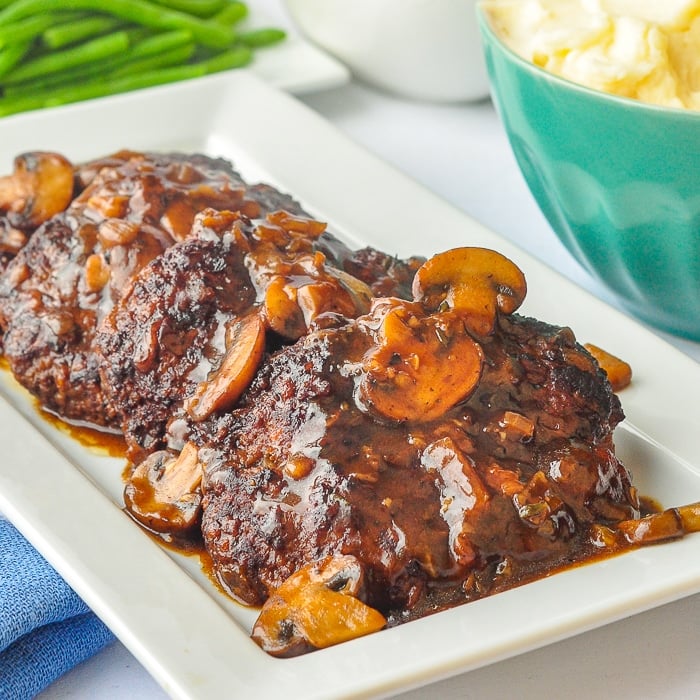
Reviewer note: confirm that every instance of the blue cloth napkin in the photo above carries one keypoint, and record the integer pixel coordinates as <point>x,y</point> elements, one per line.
<point>45,628</point>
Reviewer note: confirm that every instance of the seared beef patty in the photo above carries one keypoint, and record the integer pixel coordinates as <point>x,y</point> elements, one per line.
<point>498,489</point>
<point>452,447</point>
<point>167,333</point>
<point>130,207</point>
<point>74,267</point>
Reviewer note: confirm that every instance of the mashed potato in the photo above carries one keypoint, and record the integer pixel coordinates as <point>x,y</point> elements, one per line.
<point>644,49</point>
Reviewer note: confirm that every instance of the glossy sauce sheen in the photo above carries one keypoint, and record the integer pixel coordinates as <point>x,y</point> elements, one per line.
<point>91,437</point>
<point>284,400</point>
<point>113,445</point>
<point>129,208</point>
<point>300,471</point>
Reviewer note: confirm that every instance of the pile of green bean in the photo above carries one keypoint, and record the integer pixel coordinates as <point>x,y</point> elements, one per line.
<point>54,52</point>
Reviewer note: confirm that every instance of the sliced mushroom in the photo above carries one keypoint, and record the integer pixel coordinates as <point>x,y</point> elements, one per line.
<point>421,366</point>
<point>476,281</point>
<point>669,524</point>
<point>618,371</point>
<point>296,224</point>
<point>331,295</point>
<point>163,492</point>
<point>281,310</point>
<point>316,607</point>
<point>539,507</point>
<point>359,291</point>
<point>40,187</point>
<point>245,345</point>
<point>298,293</point>
<point>463,497</point>
<point>12,240</point>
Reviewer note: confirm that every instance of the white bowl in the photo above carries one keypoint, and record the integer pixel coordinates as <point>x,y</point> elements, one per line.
<point>422,49</point>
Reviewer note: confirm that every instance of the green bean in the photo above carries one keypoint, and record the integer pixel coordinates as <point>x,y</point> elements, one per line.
<point>102,88</point>
<point>58,36</point>
<point>198,8</point>
<point>11,55</point>
<point>89,52</point>
<point>106,69</point>
<point>53,52</point>
<point>150,46</point>
<point>233,58</point>
<point>257,38</point>
<point>233,13</point>
<point>31,27</point>
<point>164,59</point>
<point>13,105</point>
<point>236,57</point>
<point>161,42</point>
<point>206,32</point>
<point>45,82</point>
<point>136,33</point>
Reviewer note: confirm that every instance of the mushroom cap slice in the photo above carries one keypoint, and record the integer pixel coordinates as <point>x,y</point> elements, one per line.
<point>163,492</point>
<point>40,187</point>
<point>316,607</point>
<point>478,282</point>
<point>420,367</point>
<point>245,346</point>
<point>619,372</point>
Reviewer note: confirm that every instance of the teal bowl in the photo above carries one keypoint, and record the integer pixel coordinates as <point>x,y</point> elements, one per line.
<point>617,180</point>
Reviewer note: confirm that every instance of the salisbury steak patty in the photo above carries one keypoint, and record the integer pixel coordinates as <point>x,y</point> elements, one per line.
<point>169,334</point>
<point>498,488</point>
<point>167,331</point>
<point>75,266</point>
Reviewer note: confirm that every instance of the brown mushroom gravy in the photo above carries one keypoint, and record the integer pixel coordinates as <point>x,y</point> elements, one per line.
<point>349,440</point>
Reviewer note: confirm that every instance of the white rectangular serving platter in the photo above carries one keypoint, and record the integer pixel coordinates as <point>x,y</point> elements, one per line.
<point>67,500</point>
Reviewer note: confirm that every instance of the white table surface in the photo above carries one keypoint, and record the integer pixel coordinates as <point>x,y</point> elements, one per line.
<point>461,153</point>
